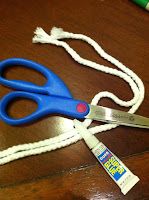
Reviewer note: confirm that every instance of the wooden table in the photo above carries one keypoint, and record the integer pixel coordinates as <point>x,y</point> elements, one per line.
<point>72,172</point>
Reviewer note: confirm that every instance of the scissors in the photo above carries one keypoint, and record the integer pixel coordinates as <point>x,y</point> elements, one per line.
<point>55,98</point>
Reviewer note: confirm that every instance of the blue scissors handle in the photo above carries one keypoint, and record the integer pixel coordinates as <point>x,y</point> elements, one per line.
<point>53,86</point>
<point>46,105</point>
<point>53,97</point>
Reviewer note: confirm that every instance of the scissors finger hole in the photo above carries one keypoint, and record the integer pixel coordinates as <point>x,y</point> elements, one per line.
<point>20,108</point>
<point>19,72</point>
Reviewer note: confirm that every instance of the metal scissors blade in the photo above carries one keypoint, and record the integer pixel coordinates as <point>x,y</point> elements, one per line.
<point>104,114</point>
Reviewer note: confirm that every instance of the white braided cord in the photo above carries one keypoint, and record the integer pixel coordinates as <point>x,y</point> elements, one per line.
<point>70,137</point>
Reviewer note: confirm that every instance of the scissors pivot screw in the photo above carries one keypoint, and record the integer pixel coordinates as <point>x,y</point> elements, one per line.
<point>81,108</point>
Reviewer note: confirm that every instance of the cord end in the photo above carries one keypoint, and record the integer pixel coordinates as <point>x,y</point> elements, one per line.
<point>41,36</point>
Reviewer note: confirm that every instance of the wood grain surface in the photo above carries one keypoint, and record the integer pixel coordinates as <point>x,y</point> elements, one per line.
<point>121,28</point>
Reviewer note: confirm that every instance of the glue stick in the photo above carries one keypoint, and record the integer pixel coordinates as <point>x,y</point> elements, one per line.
<point>142,3</point>
<point>122,176</point>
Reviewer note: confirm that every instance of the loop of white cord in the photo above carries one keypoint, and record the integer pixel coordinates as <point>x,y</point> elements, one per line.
<point>65,139</point>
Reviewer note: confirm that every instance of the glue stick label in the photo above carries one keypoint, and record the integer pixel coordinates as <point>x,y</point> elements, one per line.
<point>124,178</point>
<point>112,165</point>
<point>110,162</point>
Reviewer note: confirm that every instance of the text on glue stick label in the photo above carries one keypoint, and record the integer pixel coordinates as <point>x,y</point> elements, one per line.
<point>111,164</point>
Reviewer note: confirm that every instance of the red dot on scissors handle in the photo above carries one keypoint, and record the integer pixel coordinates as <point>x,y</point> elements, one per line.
<point>81,107</point>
